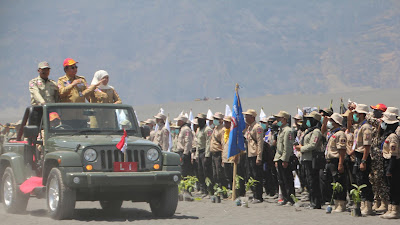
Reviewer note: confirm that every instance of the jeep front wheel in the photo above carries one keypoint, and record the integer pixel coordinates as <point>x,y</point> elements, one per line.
<point>14,200</point>
<point>165,204</point>
<point>60,199</point>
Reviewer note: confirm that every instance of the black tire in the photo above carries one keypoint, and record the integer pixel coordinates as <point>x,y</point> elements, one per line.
<point>166,203</point>
<point>55,188</point>
<point>15,201</point>
<point>111,207</point>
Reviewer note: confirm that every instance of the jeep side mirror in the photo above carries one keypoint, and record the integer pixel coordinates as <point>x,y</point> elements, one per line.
<point>31,131</point>
<point>145,130</point>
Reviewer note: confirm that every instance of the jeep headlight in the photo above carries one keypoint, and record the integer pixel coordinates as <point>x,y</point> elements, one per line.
<point>90,155</point>
<point>152,154</point>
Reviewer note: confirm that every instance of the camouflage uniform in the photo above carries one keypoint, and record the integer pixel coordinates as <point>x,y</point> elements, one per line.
<point>376,177</point>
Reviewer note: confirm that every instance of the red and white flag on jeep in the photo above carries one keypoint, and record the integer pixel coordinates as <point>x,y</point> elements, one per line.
<point>122,145</point>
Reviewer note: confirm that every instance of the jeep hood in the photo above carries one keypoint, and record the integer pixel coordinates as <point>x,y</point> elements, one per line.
<point>69,142</point>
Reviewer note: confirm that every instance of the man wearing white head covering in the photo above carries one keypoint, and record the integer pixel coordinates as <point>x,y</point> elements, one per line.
<point>104,93</point>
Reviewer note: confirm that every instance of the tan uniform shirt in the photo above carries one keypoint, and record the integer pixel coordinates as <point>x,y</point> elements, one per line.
<point>254,135</point>
<point>174,143</point>
<point>69,93</point>
<point>203,137</point>
<point>312,142</point>
<point>152,135</point>
<point>284,145</point>
<point>216,139</point>
<point>337,142</point>
<point>162,137</point>
<point>349,145</point>
<point>185,139</point>
<point>362,137</point>
<point>104,96</point>
<point>391,147</point>
<point>43,91</point>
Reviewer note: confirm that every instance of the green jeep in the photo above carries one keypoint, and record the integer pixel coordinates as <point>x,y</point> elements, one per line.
<point>72,148</point>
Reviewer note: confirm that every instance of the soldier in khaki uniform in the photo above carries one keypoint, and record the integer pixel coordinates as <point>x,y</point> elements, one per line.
<point>391,155</point>
<point>203,137</point>
<point>104,93</point>
<point>162,134</point>
<point>43,90</point>
<point>151,123</point>
<point>361,146</point>
<point>284,149</point>
<point>312,142</point>
<point>216,149</point>
<point>174,135</point>
<point>72,88</point>
<point>254,135</point>
<point>335,154</point>
<point>184,145</point>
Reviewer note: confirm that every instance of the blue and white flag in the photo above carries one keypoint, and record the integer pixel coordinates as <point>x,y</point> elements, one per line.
<point>236,138</point>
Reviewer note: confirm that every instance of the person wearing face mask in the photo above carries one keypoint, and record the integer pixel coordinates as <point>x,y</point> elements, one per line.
<point>379,186</point>
<point>335,154</point>
<point>310,145</point>
<point>104,93</point>
<point>349,158</point>
<point>254,135</point>
<point>174,136</point>
<point>184,144</point>
<point>151,123</point>
<point>362,146</point>
<point>216,149</point>
<point>298,122</point>
<point>161,136</point>
<point>391,155</point>
<point>270,180</point>
<point>43,90</point>
<point>284,149</point>
<point>203,137</point>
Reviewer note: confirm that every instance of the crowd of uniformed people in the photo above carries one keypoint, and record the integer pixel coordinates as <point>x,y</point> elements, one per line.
<point>358,146</point>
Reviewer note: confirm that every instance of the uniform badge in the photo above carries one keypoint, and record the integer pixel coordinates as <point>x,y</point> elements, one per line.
<point>259,130</point>
<point>31,84</point>
<point>343,141</point>
<point>393,148</point>
<point>209,132</point>
<point>386,141</point>
<point>368,136</point>
<point>290,136</point>
<point>39,82</point>
<point>315,139</point>
<point>334,136</point>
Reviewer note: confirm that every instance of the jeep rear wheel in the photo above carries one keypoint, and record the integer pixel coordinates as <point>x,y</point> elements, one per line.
<point>111,207</point>
<point>60,199</point>
<point>165,204</point>
<point>14,200</point>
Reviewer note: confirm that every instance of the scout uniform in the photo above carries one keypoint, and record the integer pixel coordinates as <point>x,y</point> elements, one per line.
<point>362,138</point>
<point>335,149</point>
<point>161,136</point>
<point>216,150</point>
<point>43,91</point>
<point>184,147</point>
<point>69,93</point>
<point>284,149</point>
<point>203,137</point>
<point>104,96</point>
<point>312,142</point>
<point>391,154</point>
<point>254,135</point>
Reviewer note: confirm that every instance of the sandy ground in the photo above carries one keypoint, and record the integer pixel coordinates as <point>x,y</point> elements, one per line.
<point>197,212</point>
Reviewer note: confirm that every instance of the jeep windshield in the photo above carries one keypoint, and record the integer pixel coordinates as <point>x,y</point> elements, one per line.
<point>91,119</point>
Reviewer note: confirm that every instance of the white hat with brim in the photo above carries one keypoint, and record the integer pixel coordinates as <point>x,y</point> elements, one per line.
<point>362,108</point>
<point>392,110</point>
<point>250,112</point>
<point>337,118</point>
<point>160,116</point>
<point>181,118</point>
<point>390,118</point>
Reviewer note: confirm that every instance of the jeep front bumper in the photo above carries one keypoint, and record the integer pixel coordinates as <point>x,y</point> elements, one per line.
<point>121,179</point>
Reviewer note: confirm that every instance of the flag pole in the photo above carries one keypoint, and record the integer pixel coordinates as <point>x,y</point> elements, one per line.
<point>234,161</point>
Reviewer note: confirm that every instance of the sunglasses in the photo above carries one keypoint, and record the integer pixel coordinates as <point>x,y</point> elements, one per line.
<point>73,67</point>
